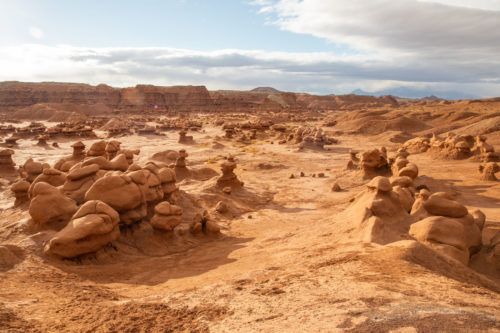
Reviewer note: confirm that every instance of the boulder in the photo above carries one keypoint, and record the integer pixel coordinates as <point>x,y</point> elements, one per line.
<point>97,149</point>
<point>20,190</point>
<point>166,216</point>
<point>123,193</point>
<point>48,205</point>
<point>453,237</point>
<point>92,227</point>
<point>438,204</point>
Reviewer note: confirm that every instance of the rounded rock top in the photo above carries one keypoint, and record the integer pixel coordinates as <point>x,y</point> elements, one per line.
<point>380,183</point>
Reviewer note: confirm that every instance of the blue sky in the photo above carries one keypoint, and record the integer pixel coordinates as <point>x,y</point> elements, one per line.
<point>190,24</point>
<point>444,47</point>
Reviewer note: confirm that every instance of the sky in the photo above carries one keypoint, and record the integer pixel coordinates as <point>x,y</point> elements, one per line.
<point>450,48</point>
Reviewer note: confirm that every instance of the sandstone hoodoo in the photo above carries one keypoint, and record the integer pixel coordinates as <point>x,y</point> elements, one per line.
<point>449,229</point>
<point>489,170</point>
<point>167,216</point>
<point>20,190</point>
<point>79,180</point>
<point>379,214</point>
<point>32,169</point>
<point>66,163</point>
<point>184,138</point>
<point>93,226</point>
<point>228,177</point>
<point>112,148</point>
<point>122,193</point>
<point>97,149</point>
<point>50,176</point>
<point>374,163</point>
<point>484,151</point>
<point>49,206</point>
<point>7,165</point>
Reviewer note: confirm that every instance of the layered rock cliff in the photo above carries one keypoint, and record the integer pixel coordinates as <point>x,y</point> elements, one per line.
<point>16,95</point>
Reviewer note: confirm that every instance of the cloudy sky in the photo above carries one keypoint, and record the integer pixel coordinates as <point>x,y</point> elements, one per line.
<point>446,47</point>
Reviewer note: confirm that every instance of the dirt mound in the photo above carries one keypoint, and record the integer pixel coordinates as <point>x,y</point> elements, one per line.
<point>115,123</point>
<point>59,111</point>
<point>373,125</point>
<point>482,127</point>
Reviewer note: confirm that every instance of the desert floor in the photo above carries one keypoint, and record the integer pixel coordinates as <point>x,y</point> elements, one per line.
<point>285,263</point>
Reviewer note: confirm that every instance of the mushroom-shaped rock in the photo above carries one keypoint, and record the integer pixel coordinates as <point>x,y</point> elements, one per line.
<point>48,205</point>
<point>417,210</point>
<point>453,237</point>
<point>438,204</point>
<point>228,177</point>
<point>32,169</point>
<point>112,148</point>
<point>402,181</point>
<point>68,162</point>
<point>119,163</point>
<point>92,227</point>
<point>97,149</point>
<point>50,176</point>
<point>184,138</point>
<point>373,163</point>
<point>79,180</point>
<point>167,180</point>
<point>129,154</point>
<point>379,214</point>
<point>20,190</point>
<point>380,183</point>
<point>6,162</point>
<point>123,193</point>
<point>166,217</point>
<point>410,170</point>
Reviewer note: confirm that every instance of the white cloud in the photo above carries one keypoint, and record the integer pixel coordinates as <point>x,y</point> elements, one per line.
<point>432,28</point>
<point>36,32</point>
<point>475,4</point>
<point>320,72</point>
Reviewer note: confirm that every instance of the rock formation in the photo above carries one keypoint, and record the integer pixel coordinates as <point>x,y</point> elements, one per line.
<point>112,148</point>
<point>49,206</point>
<point>184,138</point>
<point>489,170</point>
<point>379,213</point>
<point>228,177</point>
<point>97,149</point>
<point>374,163</point>
<point>79,180</point>
<point>32,169</point>
<point>66,163</point>
<point>50,176</point>
<point>123,193</point>
<point>166,216</point>
<point>93,226</point>
<point>7,165</point>
<point>20,190</point>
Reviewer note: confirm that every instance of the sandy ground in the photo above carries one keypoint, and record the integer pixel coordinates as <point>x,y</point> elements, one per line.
<point>283,265</point>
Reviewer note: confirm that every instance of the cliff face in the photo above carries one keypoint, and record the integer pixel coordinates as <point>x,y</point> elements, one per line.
<point>19,94</point>
<point>15,95</point>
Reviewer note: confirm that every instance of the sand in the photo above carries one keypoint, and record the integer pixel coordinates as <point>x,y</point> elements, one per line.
<point>285,261</point>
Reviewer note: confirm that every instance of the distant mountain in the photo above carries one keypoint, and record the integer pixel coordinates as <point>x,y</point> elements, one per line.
<point>267,90</point>
<point>417,93</point>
